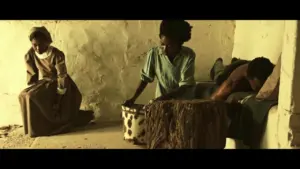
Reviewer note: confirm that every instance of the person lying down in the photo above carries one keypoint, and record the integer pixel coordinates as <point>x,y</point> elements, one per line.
<point>242,76</point>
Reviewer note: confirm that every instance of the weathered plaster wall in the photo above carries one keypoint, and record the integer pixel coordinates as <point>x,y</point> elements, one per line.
<point>289,102</point>
<point>103,57</point>
<point>258,38</point>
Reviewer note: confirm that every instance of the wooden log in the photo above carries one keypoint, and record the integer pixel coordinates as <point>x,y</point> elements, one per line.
<point>197,124</point>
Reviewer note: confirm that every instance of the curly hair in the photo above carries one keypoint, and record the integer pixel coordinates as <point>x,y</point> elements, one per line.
<point>178,30</point>
<point>260,68</point>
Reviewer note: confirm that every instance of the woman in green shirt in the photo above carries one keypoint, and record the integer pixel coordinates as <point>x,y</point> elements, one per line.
<point>171,63</point>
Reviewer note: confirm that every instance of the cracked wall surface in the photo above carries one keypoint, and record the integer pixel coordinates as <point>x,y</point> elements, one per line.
<point>288,123</point>
<point>103,57</point>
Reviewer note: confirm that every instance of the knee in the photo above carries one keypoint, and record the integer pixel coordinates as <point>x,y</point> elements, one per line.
<point>25,95</point>
<point>22,95</point>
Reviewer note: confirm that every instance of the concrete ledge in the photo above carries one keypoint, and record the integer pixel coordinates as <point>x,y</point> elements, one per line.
<point>269,138</point>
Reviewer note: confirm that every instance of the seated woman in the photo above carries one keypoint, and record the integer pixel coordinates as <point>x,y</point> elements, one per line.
<point>50,105</point>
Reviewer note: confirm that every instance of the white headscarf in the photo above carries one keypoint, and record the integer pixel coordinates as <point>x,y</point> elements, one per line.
<point>45,54</point>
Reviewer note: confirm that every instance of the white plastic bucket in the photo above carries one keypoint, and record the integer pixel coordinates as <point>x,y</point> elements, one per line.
<point>134,124</point>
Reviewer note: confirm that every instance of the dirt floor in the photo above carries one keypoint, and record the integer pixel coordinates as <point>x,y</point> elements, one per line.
<point>97,136</point>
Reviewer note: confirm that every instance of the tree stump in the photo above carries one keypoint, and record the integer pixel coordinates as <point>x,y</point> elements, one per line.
<point>197,124</point>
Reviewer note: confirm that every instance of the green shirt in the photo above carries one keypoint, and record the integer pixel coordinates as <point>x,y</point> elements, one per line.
<point>170,76</point>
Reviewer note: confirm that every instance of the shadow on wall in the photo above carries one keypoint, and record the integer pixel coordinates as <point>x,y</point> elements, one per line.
<point>104,58</point>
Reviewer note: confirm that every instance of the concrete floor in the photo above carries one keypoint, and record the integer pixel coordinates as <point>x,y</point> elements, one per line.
<point>90,137</point>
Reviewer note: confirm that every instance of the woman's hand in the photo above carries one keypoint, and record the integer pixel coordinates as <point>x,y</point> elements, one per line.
<point>129,102</point>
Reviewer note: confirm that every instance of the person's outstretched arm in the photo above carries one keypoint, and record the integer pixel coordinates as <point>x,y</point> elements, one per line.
<point>147,76</point>
<point>141,87</point>
<point>223,91</point>
<point>230,83</point>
